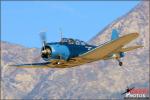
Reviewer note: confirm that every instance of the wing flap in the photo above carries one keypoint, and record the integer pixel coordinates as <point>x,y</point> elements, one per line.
<point>128,48</point>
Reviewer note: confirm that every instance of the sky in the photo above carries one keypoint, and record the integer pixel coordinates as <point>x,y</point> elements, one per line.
<point>22,21</point>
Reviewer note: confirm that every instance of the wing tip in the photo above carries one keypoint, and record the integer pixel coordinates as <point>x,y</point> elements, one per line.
<point>135,34</point>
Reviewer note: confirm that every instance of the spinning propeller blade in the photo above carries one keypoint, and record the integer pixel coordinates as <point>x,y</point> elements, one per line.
<point>43,38</point>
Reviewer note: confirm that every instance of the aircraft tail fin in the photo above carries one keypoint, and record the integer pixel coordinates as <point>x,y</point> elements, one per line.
<point>114,35</point>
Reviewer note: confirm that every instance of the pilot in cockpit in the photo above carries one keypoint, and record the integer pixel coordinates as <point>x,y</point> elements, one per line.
<point>68,40</point>
<point>71,41</point>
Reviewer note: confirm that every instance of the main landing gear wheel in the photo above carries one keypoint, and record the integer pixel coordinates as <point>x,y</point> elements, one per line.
<point>120,63</point>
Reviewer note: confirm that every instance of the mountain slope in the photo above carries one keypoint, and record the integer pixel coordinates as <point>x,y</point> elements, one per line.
<point>97,80</point>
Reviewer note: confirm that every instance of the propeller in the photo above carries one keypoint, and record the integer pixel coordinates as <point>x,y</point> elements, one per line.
<point>46,50</point>
<point>43,38</point>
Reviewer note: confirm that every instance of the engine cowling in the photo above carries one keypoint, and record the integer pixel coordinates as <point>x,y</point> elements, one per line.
<point>55,51</point>
<point>46,52</point>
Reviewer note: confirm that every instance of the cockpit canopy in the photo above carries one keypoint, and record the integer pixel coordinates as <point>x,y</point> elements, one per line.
<point>73,41</point>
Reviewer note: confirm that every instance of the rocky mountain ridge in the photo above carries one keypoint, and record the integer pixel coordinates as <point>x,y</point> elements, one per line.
<point>97,80</point>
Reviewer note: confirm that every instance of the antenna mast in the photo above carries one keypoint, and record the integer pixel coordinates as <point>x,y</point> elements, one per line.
<point>60,33</point>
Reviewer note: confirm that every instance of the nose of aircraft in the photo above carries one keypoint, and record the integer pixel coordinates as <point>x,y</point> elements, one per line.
<point>46,52</point>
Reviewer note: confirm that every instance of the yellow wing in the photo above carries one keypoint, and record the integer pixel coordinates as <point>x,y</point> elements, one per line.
<point>106,49</point>
<point>53,64</point>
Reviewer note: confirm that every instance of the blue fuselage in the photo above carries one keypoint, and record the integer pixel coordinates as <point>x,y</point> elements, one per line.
<point>66,51</point>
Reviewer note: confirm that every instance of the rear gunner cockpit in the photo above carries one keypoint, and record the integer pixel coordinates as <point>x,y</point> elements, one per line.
<point>73,41</point>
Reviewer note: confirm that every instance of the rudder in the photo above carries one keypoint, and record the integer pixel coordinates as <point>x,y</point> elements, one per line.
<point>114,35</point>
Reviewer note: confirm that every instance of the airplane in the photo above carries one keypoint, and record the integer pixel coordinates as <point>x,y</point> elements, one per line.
<point>128,90</point>
<point>73,52</point>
